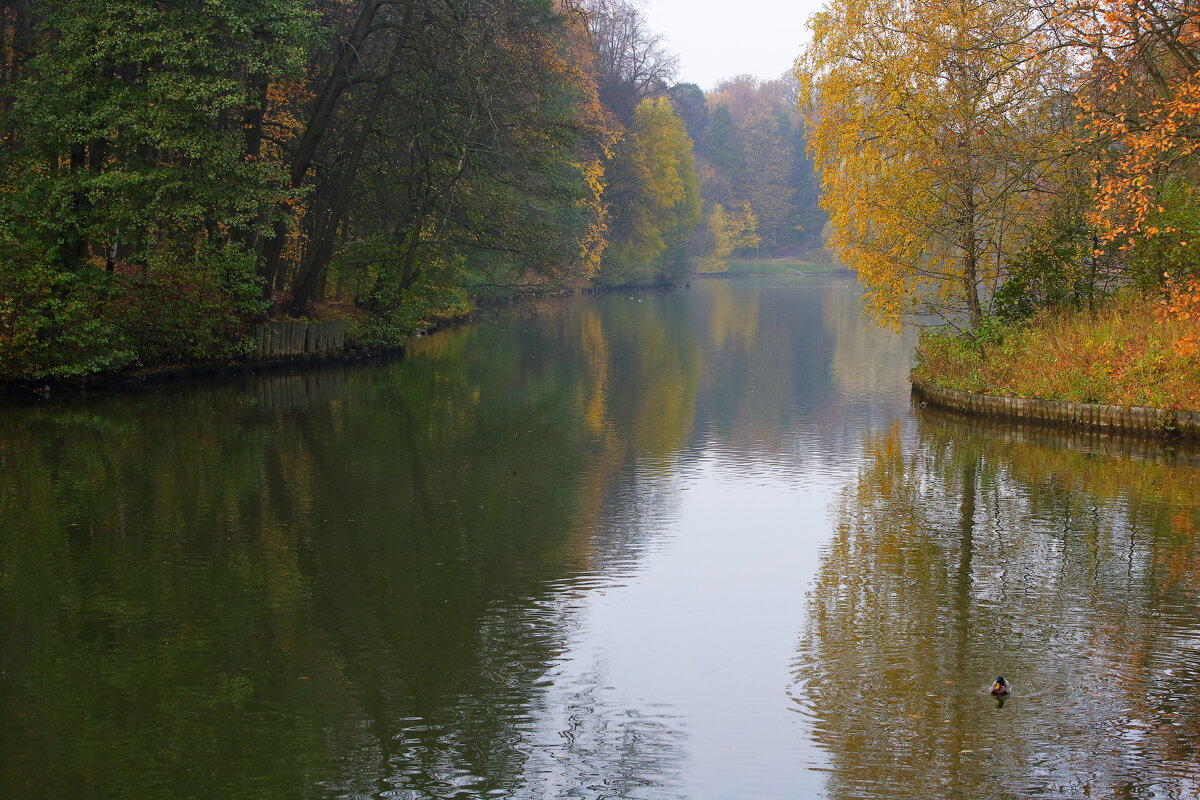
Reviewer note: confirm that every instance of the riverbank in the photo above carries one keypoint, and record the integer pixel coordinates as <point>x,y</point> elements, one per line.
<point>1123,353</point>
<point>1161,423</point>
<point>1122,367</point>
<point>742,267</point>
<point>1084,443</point>
<point>151,376</point>
<point>285,349</point>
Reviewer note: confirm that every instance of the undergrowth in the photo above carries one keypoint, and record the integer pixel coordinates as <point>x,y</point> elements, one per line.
<point>1126,352</point>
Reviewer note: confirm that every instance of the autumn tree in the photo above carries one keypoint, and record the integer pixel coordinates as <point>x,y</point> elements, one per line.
<point>655,196</point>
<point>753,153</point>
<point>723,232</point>
<point>1140,98</point>
<point>930,128</point>
<point>768,167</point>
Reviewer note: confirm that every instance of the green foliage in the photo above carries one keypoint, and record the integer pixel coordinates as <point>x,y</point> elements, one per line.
<point>425,305</point>
<point>194,309</point>
<point>128,149</point>
<point>722,149</point>
<point>692,107</point>
<point>1042,277</point>
<point>805,227</point>
<point>131,121</point>
<point>1058,269</point>
<point>394,311</point>
<point>441,181</point>
<point>1174,240</point>
<point>56,325</point>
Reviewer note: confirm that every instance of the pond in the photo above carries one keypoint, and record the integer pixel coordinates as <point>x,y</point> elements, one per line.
<point>695,543</point>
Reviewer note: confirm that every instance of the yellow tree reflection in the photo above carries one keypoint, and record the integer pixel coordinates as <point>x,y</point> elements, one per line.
<point>957,558</point>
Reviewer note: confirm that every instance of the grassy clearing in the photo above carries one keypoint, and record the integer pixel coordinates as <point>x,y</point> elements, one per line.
<point>776,266</point>
<point>1120,354</point>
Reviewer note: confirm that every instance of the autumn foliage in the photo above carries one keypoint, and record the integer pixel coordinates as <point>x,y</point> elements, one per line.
<point>934,137</point>
<point>1126,352</point>
<point>1140,99</point>
<point>958,140</point>
<point>1025,173</point>
<point>1181,306</point>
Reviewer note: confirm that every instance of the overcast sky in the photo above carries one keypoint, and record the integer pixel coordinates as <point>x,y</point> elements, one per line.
<point>718,39</point>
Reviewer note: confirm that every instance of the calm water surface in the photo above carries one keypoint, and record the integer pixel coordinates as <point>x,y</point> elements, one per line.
<point>696,544</point>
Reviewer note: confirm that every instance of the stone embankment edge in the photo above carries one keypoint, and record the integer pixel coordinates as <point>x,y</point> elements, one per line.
<point>1163,423</point>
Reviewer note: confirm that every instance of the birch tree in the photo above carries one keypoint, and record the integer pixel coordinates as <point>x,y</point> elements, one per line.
<point>929,128</point>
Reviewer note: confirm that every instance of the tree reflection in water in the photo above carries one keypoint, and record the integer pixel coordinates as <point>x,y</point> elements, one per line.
<point>332,583</point>
<point>959,557</point>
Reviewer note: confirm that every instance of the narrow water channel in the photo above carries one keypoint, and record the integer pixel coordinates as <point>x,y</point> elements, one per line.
<point>689,544</point>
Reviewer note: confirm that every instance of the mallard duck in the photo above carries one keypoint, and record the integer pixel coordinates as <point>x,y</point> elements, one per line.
<point>1000,687</point>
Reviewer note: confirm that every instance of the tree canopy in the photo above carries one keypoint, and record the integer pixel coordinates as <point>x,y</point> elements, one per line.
<point>1001,157</point>
<point>175,173</point>
<point>933,130</point>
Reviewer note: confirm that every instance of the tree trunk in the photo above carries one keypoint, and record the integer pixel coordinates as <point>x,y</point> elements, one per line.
<point>252,125</point>
<point>310,277</point>
<point>318,123</point>
<point>970,258</point>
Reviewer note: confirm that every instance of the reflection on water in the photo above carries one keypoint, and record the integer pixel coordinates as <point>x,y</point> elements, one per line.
<point>607,549</point>
<point>958,557</point>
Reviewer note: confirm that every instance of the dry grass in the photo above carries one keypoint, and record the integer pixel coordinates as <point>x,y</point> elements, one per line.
<point>1121,354</point>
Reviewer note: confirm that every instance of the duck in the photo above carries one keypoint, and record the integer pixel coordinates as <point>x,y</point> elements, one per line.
<point>1001,686</point>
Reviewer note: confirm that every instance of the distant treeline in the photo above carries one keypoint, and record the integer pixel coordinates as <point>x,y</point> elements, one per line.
<point>174,171</point>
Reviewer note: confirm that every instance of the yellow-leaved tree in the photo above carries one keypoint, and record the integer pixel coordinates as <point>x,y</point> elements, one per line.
<point>726,231</point>
<point>655,197</point>
<point>935,129</point>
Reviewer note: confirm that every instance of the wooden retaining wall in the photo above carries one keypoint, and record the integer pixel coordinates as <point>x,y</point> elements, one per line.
<point>284,339</point>
<point>1139,420</point>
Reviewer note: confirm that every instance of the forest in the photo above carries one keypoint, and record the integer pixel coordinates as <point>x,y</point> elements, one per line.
<point>1025,174</point>
<point>175,172</point>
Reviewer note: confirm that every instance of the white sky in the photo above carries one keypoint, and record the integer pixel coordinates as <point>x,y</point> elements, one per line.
<point>718,39</point>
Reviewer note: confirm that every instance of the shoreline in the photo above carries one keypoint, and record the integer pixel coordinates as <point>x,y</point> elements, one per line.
<point>14,390</point>
<point>181,373</point>
<point>1148,421</point>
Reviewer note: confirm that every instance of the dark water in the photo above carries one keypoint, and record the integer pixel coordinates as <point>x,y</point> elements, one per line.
<point>695,544</point>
